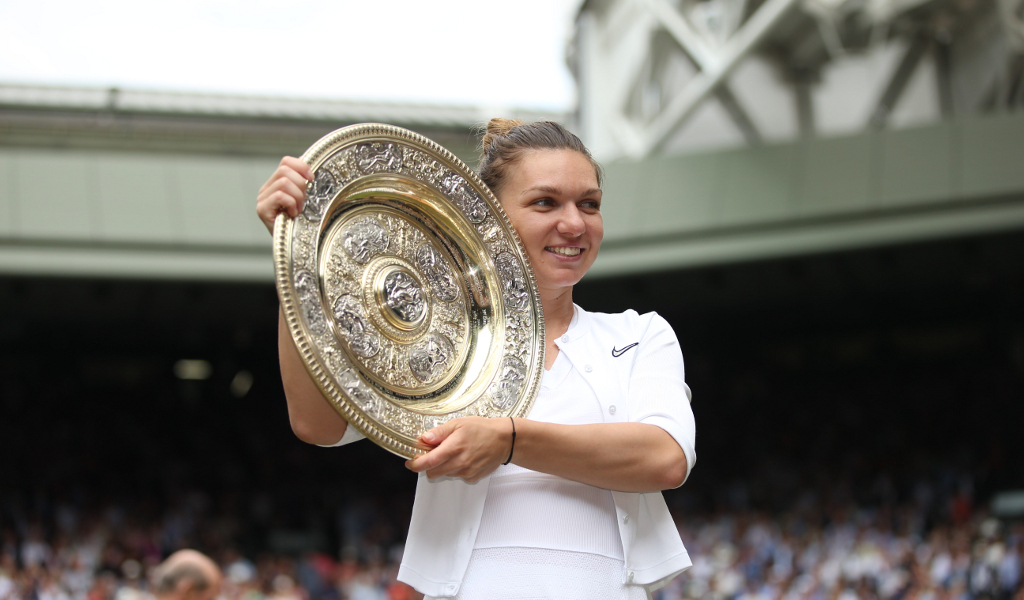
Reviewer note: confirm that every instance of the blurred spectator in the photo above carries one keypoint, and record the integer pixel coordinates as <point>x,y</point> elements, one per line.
<point>824,546</point>
<point>860,554</point>
<point>187,575</point>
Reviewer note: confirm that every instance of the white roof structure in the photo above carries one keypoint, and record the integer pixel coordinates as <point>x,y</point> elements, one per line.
<point>132,183</point>
<point>250,107</point>
<point>96,183</point>
<point>687,76</point>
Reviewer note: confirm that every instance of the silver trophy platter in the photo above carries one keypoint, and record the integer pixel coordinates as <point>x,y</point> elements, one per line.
<point>406,289</point>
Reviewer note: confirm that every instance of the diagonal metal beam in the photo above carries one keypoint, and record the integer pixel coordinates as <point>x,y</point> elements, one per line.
<point>638,63</point>
<point>738,114</point>
<point>804,104</point>
<point>704,58</point>
<point>1013,24</point>
<point>759,24</point>
<point>944,77</point>
<point>679,28</point>
<point>898,81</point>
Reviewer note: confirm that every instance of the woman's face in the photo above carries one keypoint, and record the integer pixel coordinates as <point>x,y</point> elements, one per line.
<point>554,202</point>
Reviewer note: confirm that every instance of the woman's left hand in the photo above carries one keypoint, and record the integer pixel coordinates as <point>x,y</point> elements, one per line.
<point>470,448</point>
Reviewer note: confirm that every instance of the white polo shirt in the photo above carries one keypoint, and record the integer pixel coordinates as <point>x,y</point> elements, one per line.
<point>634,366</point>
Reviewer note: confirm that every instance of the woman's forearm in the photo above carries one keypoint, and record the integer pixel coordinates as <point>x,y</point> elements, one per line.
<point>628,457</point>
<point>312,417</point>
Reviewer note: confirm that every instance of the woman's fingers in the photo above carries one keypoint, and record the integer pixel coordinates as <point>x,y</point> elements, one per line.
<point>456,466</point>
<point>466,448</point>
<point>286,173</point>
<point>296,191</point>
<point>298,166</point>
<point>435,463</point>
<point>275,203</point>
<point>284,191</point>
<point>438,434</point>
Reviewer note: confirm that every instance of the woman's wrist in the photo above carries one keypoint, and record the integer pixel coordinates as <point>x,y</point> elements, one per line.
<point>512,449</point>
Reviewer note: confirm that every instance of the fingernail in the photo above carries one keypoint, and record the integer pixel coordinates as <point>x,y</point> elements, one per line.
<point>429,437</point>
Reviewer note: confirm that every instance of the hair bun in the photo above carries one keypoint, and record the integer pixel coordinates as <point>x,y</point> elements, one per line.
<point>501,147</point>
<point>497,128</point>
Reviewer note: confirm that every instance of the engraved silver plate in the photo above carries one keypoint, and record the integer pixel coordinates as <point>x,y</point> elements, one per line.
<point>406,289</point>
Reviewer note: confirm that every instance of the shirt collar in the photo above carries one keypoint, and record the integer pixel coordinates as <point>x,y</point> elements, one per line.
<point>578,327</point>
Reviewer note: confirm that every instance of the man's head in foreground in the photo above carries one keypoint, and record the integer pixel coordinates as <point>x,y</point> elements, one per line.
<point>187,575</point>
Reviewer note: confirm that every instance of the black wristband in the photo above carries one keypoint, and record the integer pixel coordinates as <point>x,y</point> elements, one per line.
<point>513,442</point>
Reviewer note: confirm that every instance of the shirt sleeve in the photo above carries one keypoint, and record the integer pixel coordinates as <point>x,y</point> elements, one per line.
<point>351,435</point>
<point>658,394</point>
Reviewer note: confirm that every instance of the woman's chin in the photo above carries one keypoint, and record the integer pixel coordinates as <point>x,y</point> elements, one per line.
<point>559,274</point>
<point>560,282</point>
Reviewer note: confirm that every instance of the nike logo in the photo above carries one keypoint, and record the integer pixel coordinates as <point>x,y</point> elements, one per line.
<point>617,353</point>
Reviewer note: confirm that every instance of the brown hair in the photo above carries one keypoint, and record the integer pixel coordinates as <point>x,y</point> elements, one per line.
<point>169,577</point>
<point>505,141</point>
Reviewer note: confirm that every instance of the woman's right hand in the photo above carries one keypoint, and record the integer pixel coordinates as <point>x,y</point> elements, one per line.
<point>468,447</point>
<point>284,192</point>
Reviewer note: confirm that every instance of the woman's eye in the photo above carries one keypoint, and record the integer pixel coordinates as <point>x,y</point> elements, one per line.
<point>591,205</point>
<point>544,202</point>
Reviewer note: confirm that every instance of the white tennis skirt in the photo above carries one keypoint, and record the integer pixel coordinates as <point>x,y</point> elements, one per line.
<point>539,574</point>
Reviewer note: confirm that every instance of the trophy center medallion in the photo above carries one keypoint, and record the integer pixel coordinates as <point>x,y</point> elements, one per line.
<point>396,298</point>
<point>400,297</point>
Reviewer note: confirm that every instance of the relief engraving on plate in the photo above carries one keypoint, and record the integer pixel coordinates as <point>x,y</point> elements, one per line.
<point>358,391</point>
<point>320,191</point>
<point>437,272</point>
<point>422,167</point>
<point>348,313</point>
<point>305,285</point>
<point>404,296</point>
<point>513,282</point>
<point>379,157</point>
<point>431,358</point>
<point>364,238</point>
<point>458,189</point>
<point>309,300</point>
<point>314,315</point>
<point>504,391</point>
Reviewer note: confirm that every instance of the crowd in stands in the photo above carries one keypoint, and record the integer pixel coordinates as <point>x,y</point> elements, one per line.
<point>109,555</point>
<point>817,549</point>
<point>105,471</point>
<point>858,555</point>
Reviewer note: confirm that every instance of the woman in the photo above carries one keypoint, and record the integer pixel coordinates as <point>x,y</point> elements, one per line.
<point>578,512</point>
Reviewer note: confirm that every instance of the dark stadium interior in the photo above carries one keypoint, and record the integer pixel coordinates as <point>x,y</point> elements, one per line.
<point>853,376</point>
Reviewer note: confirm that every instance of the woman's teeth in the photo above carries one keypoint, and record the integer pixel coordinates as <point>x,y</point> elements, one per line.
<point>564,251</point>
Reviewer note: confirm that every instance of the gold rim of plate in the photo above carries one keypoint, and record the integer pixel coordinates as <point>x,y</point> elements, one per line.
<point>406,289</point>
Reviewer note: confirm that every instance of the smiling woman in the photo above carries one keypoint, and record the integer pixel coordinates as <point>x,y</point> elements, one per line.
<point>566,503</point>
<point>553,199</point>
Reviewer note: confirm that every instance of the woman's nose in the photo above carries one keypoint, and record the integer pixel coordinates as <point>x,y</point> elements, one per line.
<point>571,222</point>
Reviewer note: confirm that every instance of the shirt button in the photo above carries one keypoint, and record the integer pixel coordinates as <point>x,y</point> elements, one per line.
<point>588,368</point>
<point>450,588</point>
<point>625,519</point>
<point>630,576</point>
<point>565,339</point>
<point>611,409</point>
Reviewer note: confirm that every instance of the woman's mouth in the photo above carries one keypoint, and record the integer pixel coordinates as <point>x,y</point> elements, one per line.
<point>564,250</point>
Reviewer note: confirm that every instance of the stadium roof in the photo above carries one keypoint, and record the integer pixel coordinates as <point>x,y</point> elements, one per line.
<point>114,99</point>
<point>162,185</point>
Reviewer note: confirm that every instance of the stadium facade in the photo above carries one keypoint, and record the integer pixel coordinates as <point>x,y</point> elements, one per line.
<point>824,198</point>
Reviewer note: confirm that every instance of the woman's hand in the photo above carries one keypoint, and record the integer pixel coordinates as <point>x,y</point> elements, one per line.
<point>284,192</point>
<point>470,448</point>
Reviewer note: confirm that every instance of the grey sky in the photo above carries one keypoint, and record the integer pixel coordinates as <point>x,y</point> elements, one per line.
<point>491,54</point>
